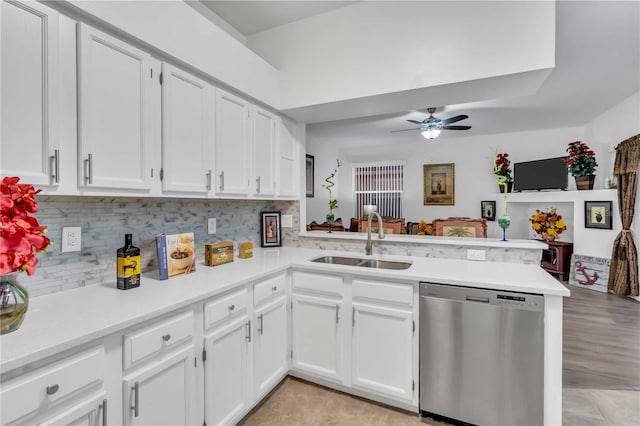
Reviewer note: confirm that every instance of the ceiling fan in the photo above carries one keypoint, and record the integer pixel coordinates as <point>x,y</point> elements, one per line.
<point>431,126</point>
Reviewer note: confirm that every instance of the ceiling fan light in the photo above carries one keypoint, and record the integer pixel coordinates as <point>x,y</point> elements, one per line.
<point>431,133</point>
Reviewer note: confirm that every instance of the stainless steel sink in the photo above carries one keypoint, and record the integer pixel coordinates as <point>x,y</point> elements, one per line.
<point>384,264</point>
<point>367,263</point>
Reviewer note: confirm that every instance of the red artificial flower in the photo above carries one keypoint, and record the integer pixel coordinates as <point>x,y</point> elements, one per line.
<point>21,236</point>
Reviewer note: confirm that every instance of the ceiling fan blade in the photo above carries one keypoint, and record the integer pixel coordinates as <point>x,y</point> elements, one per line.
<point>454,119</point>
<point>456,127</point>
<point>415,122</point>
<point>405,130</point>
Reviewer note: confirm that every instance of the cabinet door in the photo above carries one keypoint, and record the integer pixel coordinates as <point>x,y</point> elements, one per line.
<point>232,147</point>
<point>271,361</point>
<point>163,393</point>
<point>287,164</point>
<point>227,381</point>
<point>317,336</point>
<point>29,54</point>
<point>264,131</point>
<point>187,131</point>
<point>382,350</point>
<point>88,412</point>
<point>115,84</point>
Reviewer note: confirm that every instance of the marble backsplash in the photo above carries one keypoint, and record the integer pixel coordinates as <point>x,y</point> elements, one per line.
<point>105,220</point>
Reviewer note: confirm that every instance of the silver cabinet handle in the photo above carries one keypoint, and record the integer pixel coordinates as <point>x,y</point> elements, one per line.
<point>222,180</point>
<point>274,288</point>
<point>248,325</point>
<point>88,170</point>
<point>134,407</point>
<point>353,317</point>
<point>104,412</point>
<point>258,184</point>
<point>260,327</point>
<point>209,180</point>
<point>337,313</point>
<point>232,307</point>
<point>166,337</point>
<point>51,389</point>
<point>55,166</point>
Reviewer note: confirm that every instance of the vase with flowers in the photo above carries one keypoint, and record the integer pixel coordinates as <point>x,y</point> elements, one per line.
<point>502,170</point>
<point>21,237</point>
<point>548,224</point>
<point>424,228</point>
<point>333,204</point>
<point>581,163</point>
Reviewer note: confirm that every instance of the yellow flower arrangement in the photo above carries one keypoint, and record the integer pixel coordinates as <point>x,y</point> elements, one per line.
<point>548,224</point>
<point>424,228</point>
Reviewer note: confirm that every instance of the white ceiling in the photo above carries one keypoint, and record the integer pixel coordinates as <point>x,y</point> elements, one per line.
<point>597,66</point>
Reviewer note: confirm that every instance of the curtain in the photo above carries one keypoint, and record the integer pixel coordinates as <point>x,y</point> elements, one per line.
<point>623,275</point>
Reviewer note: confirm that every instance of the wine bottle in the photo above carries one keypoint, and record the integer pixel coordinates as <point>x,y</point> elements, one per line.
<point>128,265</point>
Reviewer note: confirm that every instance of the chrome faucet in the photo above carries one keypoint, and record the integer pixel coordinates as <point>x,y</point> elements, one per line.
<point>371,210</point>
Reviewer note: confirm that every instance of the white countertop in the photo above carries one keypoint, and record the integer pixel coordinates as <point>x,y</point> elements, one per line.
<point>61,321</point>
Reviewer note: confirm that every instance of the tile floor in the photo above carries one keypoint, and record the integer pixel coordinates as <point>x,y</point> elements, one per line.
<point>297,402</point>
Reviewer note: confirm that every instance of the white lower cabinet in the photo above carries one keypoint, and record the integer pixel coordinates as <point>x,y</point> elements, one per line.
<point>270,346</point>
<point>69,391</point>
<point>382,350</point>
<point>317,336</point>
<point>227,383</point>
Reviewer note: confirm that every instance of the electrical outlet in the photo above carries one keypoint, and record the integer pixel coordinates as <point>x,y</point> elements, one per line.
<point>71,239</point>
<point>287,221</point>
<point>211,225</point>
<point>476,255</point>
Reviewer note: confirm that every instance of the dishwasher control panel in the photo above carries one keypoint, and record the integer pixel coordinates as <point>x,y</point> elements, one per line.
<point>516,300</point>
<point>504,299</point>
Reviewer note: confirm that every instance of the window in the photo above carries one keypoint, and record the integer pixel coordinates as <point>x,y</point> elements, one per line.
<point>380,184</point>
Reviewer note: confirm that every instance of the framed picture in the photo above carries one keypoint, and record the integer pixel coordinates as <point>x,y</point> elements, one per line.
<point>488,209</point>
<point>270,231</point>
<point>439,184</point>
<point>597,214</point>
<point>309,168</point>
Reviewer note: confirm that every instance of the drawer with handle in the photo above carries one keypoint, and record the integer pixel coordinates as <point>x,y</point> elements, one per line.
<point>225,307</point>
<point>268,289</point>
<point>156,338</point>
<point>44,387</point>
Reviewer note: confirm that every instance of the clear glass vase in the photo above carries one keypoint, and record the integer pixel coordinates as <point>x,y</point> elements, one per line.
<point>14,301</point>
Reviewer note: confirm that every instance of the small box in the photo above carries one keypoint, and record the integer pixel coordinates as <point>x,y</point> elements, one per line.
<point>219,253</point>
<point>245,250</point>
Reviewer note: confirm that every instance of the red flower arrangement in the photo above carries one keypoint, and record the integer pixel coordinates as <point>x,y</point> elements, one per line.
<point>580,160</point>
<point>502,166</point>
<point>21,236</point>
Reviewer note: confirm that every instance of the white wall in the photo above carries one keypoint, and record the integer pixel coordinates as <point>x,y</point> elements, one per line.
<point>372,48</point>
<point>180,31</point>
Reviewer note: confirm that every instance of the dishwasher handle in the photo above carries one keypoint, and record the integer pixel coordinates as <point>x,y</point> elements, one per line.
<point>477,299</point>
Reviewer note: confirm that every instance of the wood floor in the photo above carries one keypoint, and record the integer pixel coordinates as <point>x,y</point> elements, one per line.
<point>601,341</point>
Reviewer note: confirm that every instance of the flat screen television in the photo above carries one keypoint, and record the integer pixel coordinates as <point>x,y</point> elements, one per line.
<point>550,173</point>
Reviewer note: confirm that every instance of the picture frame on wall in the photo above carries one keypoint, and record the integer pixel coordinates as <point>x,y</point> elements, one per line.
<point>270,229</point>
<point>488,210</point>
<point>439,184</point>
<point>597,214</point>
<point>310,166</point>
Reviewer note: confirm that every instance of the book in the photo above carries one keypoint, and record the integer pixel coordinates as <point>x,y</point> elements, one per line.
<point>176,254</point>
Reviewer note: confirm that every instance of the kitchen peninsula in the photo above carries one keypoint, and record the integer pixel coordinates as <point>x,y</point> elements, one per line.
<point>165,332</point>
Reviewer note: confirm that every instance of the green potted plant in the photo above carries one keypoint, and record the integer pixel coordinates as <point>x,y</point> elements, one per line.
<point>333,204</point>
<point>502,170</point>
<point>581,163</point>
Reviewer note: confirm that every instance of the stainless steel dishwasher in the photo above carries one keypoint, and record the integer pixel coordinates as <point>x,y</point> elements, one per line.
<point>481,355</point>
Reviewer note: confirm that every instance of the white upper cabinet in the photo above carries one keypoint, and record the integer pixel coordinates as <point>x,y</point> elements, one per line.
<point>115,117</point>
<point>29,84</point>
<point>187,131</point>
<point>264,155</point>
<point>233,143</point>
<point>287,164</point>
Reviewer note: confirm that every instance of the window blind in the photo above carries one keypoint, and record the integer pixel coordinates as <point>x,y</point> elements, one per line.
<point>380,184</point>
